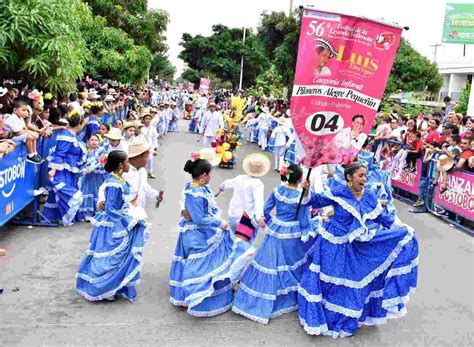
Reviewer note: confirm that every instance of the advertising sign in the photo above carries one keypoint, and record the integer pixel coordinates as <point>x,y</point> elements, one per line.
<point>459,198</point>
<point>204,86</point>
<point>458,24</point>
<point>190,87</point>
<point>17,179</point>
<point>342,68</point>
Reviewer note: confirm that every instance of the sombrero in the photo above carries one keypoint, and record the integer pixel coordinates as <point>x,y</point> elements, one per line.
<point>445,163</point>
<point>327,45</point>
<point>114,134</point>
<point>256,164</point>
<point>137,147</point>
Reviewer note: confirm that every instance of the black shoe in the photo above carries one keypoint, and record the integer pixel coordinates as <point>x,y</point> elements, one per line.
<point>36,159</point>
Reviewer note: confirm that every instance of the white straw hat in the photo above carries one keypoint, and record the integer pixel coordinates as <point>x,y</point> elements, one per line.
<point>256,164</point>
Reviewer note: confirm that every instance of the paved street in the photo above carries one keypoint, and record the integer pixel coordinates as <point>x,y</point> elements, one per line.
<point>39,305</point>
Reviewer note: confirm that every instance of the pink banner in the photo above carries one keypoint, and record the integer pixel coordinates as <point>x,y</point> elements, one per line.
<point>459,198</point>
<point>191,87</point>
<point>408,181</point>
<point>342,68</point>
<point>180,86</point>
<point>204,85</point>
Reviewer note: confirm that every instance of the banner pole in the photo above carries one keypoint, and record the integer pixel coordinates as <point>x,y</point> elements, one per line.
<point>302,193</point>
<point>242,63</point>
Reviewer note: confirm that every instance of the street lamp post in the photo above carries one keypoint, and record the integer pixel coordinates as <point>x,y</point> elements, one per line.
<point>242,63</point>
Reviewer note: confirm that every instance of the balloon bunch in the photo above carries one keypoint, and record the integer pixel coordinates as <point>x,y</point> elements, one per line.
<point>226,143</point>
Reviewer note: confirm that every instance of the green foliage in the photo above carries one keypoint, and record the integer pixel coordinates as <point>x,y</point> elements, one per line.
<point>412,72</point>
<point>41,42</point>
<point>161,67</point>
<point>220,54</point>
<point>464,99</point>
<point>114,54</point>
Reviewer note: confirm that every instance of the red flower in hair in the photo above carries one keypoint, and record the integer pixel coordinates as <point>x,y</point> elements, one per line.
<point>195,156</point>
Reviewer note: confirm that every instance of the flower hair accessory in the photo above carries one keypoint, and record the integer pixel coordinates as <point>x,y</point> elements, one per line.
<point>103,159</point>
<point>284,170</point>
<point>195,156</point>
<point>48,96</point>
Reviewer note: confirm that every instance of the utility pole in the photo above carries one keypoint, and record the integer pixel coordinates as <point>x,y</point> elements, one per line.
<point>291,8</point>
<point>436,45</point>
<point>242,63</point>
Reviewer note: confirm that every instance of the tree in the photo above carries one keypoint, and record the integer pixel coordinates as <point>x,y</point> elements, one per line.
<point>412,72</point>
<point>220,54</point>
<point>161,66</point>
<point>464,99</point>
<point>279,34</point>
<point>41,42</point>
<point>145,27</point>
<point>114,54</point>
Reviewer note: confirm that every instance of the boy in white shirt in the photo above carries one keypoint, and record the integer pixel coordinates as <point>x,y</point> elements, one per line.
<point>280,134</point>
<point>248,191</point>
<point>15,124</point>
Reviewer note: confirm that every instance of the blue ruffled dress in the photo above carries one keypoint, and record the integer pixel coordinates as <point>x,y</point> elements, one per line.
<point>363,269</point>
<point>207,259</point>
<point>65,197</point>
<point>90,184</point>
<point>113,260</point>
<point>269,285</point>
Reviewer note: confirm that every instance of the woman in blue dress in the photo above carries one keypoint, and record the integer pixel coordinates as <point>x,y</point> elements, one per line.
<point>363,269</point>
<point>92,179</point>
<point>112,263</point>
<point>65,164</point>
<point>269,285</point>
<point>208,260</point>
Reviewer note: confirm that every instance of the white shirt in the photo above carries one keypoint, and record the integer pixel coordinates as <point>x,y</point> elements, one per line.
<point>140,189</point>
<point>202,103</point>
<point>264,121</point>
<point>151,135</point>
<point>247,197</point>
<point>279,134</point>
<point>346,139</point>
<point>211,122</point>
<point>13,123</point>
<point>325,71</point>
<point>168,114</point>
<point>397,132</point>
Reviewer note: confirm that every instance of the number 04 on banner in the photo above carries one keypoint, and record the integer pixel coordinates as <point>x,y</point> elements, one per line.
<point>342,69</point>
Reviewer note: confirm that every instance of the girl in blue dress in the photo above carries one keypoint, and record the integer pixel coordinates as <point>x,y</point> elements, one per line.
<point>363,268</point>
<point>208,260</point>
<point>113,260</point>
<point>269,285</point>
<point>92,179</point>
<point>65,164</point>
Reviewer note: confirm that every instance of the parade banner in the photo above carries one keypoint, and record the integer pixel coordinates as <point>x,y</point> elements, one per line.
<point>342,68</point>
<point>17,179</point>
<point>180,86</point>
<point>190,87</point>
<point>459,198</point>
<point>459,23</point>
<point>204,86</point>
<point>405,180</point>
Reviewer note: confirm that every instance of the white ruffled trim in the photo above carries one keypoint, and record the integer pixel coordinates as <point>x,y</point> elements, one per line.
<point>64,166</point>
<point>309,297</point>
<point>135,253</point>
<point>341,309</point>
<point>174,283</point>
<point>60,185</point>
<point>178,259</point>
<point>216,236</point>
<point>285,199</point>
<point>379,321</point>
<point>187,227</point>
<point>284,268</point>
<point>209,250</point>
<point>74,205</point>
<point>371,276</point>
<point>114,251</point>
<point>249,316</point>
<point>403,270</point>
<point>282,223</point>
<point>282,236</point>
<point>212,273</point>
<point>283,311</point>
<point>209,313</point>
<point>178,302</point>
<point>103,223</point>
<point>50,205</point>
<point>323,330</point>
<point>256,294</point>
<point>197,194</point>
<point>375,294</point>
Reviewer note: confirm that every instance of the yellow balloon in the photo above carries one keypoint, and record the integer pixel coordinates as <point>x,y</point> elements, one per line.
<point>227,155</point>
<point>226,146</point>
<point>219,149</point>
<point>219,155</point>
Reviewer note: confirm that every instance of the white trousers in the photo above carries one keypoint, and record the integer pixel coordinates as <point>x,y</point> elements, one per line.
<point>149,163</point>
<point>207,140</point>
<point>263,138</point>
<point>278,151</point>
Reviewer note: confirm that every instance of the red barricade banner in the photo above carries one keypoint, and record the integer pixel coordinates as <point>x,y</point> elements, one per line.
<point>459,198</point>
<point>342,69</point>
<point>204,86</point>
<point>191,87</point>
<point>408,181</point>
